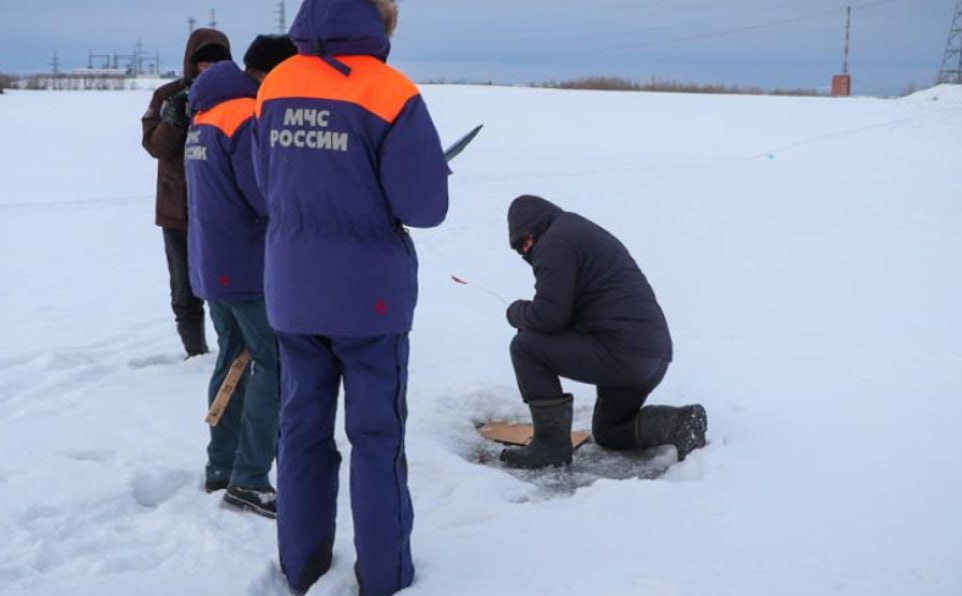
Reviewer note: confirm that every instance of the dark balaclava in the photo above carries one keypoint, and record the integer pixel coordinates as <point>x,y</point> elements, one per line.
<point>529,214</point>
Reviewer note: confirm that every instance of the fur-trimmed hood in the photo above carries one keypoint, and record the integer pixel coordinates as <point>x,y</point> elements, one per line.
<point>388,12</point>
<point>344,27</point>
<point>198,40</point>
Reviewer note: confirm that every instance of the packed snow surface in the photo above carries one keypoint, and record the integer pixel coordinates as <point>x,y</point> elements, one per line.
<point>806,253</point>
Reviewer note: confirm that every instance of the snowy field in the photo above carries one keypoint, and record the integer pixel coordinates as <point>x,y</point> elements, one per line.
<point>806,253</point>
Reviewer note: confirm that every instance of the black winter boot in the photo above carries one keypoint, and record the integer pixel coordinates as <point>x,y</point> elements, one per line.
<point>551,445</point>
<point>260,501</point>
<point>667,425</point>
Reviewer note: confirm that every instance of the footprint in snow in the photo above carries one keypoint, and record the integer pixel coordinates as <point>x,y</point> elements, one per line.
<point>155,360</point>
<point>90,455</point>
<point>152,488</point>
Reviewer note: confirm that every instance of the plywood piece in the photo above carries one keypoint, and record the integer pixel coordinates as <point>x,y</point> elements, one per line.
<point>227,388</point>
<point>511,433</point>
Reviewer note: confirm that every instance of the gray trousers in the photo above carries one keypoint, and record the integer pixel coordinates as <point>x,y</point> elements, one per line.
<point>623,381</point>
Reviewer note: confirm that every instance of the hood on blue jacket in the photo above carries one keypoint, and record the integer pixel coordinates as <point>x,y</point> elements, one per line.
<point>219,83</point>
<point>340,27</point>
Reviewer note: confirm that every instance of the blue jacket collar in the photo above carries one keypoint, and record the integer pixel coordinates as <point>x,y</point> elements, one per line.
<point>219,83</point>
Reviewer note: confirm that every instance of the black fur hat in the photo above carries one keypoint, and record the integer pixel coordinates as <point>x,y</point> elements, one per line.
<point>267,51</point>
<point>210,53</point>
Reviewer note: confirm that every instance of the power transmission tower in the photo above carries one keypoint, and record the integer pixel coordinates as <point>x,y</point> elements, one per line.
<point>281,18</point>
<point>139,57</point>
<point>848,37</point>
<point>55,64</point>
<point>951,71</point>
<point>191,23</point>
<point>842,84</point>
<point>98,57</point>
<point>213,21</point>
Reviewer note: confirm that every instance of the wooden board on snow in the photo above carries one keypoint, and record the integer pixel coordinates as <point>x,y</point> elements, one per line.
<point>233,377</point>
<point>510,433</point>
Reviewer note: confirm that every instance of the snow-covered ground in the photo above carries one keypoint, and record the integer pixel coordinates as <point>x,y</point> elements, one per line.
<point>807,255</point>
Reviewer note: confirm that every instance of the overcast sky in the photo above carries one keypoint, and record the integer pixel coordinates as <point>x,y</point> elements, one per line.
<point>768,43</point>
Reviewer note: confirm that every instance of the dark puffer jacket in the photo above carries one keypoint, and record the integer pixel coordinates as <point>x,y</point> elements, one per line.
<point>585,280</point>
<point>166,142</point>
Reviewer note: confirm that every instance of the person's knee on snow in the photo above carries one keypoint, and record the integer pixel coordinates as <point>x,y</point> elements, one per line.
<point>613,421</point>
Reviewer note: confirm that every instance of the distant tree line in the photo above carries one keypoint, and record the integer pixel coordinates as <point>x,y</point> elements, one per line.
<point>608,83</point>
<point>6,82</point>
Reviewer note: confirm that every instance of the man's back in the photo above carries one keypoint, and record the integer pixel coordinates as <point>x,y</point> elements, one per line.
<point>228,223</point>
<point>587,280</point>
<point>347,155</point>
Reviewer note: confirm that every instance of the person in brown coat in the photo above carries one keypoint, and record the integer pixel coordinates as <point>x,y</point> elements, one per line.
<point>165,133</point>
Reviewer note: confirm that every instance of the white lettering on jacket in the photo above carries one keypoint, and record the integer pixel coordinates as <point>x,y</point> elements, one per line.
<point>300,131</point>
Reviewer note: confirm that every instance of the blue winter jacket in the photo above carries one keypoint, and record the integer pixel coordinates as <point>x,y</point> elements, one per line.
<point>227,215</point>
<point>346,156</point>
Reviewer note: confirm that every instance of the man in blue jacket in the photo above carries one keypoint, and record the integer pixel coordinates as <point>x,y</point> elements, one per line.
<point>346,155</point>
<point>228,222</point>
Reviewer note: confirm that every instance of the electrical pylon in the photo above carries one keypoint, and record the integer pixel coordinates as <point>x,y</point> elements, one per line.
<point>951,71</point>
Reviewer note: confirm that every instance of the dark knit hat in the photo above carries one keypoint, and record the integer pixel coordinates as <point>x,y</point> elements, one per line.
<point>210,53</point>
<point>267,51</point>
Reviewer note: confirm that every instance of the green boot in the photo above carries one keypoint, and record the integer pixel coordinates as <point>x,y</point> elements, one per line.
<point>551,445</point>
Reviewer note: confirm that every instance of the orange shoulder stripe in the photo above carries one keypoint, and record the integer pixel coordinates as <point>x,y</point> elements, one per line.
<point>372,84</point>
<point>227,116</point>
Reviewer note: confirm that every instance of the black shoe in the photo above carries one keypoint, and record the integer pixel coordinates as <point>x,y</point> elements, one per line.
<point>262,502</point>
<point>212,485</point>
<point>551,445</point>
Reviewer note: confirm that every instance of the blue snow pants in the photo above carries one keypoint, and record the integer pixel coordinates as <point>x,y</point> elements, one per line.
<point>243,444</point>
<point>374,373</point>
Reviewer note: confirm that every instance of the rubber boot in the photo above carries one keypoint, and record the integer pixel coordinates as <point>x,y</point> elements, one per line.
<point>551,445</point>
<point>667,425</point>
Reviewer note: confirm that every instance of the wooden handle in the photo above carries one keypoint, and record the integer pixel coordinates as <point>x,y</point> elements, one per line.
<point>226,390</point>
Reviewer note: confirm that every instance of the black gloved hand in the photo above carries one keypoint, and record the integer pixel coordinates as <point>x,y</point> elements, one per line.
<point>174,110</point>
<point>514,313</point>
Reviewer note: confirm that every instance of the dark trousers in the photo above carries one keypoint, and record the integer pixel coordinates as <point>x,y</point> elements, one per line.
<point>623,381</point>
<point>188,309</point>
<point>374,373</point>
<point>243,444</point>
